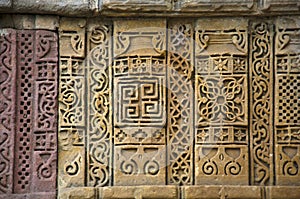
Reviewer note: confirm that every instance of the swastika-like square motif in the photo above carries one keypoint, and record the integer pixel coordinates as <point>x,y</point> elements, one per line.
<point>140,101</point>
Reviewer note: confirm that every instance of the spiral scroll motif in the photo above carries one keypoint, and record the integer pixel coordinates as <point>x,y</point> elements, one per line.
<point>261,98</point>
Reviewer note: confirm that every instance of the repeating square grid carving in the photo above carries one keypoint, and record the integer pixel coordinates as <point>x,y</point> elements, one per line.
<point>288,99</point>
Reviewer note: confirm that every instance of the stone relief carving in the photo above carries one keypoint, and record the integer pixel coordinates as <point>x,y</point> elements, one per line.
<point>147,105</point>
<point>181,103</point>
<point>221,97</point>
<point>287,79</point>
<point>261,92</point>
<point>28,111</point>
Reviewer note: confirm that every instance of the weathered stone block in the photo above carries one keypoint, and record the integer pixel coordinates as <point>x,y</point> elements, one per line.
<point>69,7</point>
<point>208,192</point>
<point>216,6</point>
<point>279,192</point>
<point>78,193</point>
<point>289,6</point>
<point>48,22</point>
<point>136,5</point>
<point>153,192</point>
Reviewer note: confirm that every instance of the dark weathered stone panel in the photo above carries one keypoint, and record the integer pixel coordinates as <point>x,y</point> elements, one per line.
<point>217,6</point>
<point>74,7</point>
<point>136,6</point>
<point>279,6</point>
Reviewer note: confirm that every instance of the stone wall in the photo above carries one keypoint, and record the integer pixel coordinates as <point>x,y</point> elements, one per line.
<point>151,7</point>
<point>157,104</point>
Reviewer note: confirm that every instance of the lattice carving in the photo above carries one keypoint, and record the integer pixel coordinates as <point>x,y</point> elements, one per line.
<point>24,110</point>
<point>261,98</point>
<point>180,103</point>
<point>221,102</point>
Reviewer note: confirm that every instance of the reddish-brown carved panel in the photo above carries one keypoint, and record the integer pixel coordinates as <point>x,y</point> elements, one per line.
<point>28,107</point>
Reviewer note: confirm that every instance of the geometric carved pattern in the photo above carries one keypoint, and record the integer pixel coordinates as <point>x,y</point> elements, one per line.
<point>192,104</point>
<point>221,102</point>
<point>287,103</point>
<point>180,103</point>
<point>139,105</point>
<point>288,99</point>
<point>29,91</point>
<point>141,101</point>
<point>71,111</point>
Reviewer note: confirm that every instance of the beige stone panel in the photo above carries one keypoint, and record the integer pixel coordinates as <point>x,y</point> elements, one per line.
<point>70,7</point>
<point>46,22</point>
<point>279,192</point>
<point>71,169</point>
<point>140,165</point>
<point>72,37</point>
<point>78,193</point>
<point>147,192</point>
<point>219,165</point>
<point>139,37</point>
<point>216,192</point>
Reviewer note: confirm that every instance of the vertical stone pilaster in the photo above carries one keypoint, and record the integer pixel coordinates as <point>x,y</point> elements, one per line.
<point>180,102</point>
<point>261,102</point>
<point>72,114</point>
<point>287,101</point>
<point>99,108</point>
<point>7,108</point>
<point>221,97</point>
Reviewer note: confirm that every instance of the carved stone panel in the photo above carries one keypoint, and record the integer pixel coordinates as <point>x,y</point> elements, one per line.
<point>140,102</point>
<point>176,102</point>
<point>180,102</point>
<point>84,104</point>
<point>261,90</point>
<point>221,84</point>
<point>28,111</point>
<point>7,108</point>
<point>287,101</point>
